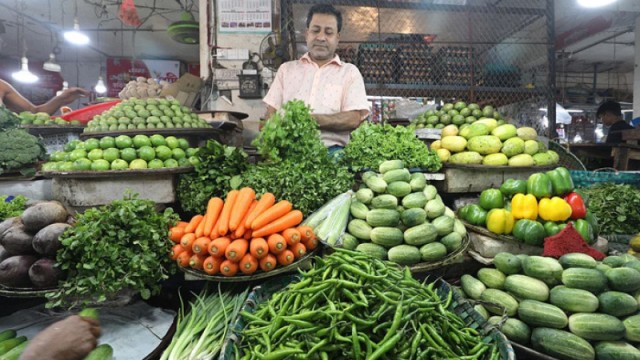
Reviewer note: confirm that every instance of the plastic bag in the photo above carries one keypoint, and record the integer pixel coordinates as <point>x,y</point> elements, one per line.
<point>409,109</point>
<point>330,221</point>
<point>128,13</point>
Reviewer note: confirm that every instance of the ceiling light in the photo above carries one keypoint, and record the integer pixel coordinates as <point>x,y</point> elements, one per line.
<point>595,3</point>
<point>24,75</point>
<point>51,64</point>
<point>100,88</point>
<point>75,36</point>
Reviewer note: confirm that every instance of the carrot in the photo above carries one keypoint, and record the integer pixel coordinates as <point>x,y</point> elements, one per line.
<point>292,236</point>
<point>182,224</point>
<point>228,268</point>
<point>241,228</point>
<point>200,229</point>
<point>259,248</point>
<point>266,201</point>
<point>183,258</point>
<point>276,211</point>
<point>211,265</point>
<point>223,220</point>
<point>291,219</point>
<point>218,246</point>
<point>299,250</point>
<point>236,250</point>
<point>248,234</point>
<point>277,243</point>
<point>306,232</point>
<point>201,245</point>
<point>214,208</point>
<point>196,261</point>
<point>187,240</point>
<point>268,263</point>
<point>193,224</point>
<point>248,264</point>
<point>176,250</point>
<point>311,243</point>
<point>246,195</point>
<point>175,234</point>
<point>285,258</point>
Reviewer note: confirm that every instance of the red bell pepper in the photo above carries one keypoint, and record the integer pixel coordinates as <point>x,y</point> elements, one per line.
<point>578,209</point>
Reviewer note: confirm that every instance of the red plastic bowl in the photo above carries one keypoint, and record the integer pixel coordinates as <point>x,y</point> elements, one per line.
<point>87,113</point>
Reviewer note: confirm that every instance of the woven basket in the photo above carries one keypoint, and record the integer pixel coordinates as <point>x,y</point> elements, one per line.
<point>567,158</point>
<point>604,175</point>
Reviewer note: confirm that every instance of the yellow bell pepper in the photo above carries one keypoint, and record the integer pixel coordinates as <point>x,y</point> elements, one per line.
<point>500,221</point>
<point>554,209</point>
<point>524,207</point>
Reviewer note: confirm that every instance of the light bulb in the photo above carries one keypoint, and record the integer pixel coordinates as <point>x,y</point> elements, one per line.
<point>51,64</point>
<point>75,36</point>
<point>595,3</point>
<point>100,88</point>
<point>24,75</point>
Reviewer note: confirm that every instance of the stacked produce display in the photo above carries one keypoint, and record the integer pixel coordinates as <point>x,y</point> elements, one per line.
<point>534,209</point>
<point>459,114</point>
<point>19,150</point>
<point>571,308</point>
<point>142,88</point>
<point>42,118</point>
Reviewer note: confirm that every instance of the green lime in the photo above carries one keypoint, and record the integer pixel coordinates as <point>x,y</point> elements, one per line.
<point>183,161</point>
<point>119,164</point>
<point>66,166</point>
<point>111,154</point>
<point>128,154</point>
<point>158,140</point>
<point>138,164</point>
<point>141,140</point>
<point>95,154</point>
<point>123,141</point>
<point>100,165</point>
<point>183,143</point>
<point>71,145</point>
<point>155,164</point>
<point>82,164</point>
<point>57,156</point>
<point>146,153</point>
<point>193,160</point>
<point>170,163</point>
<point>77,154</point>
<point>178,154</point>
<point>163,152</point>
<point>192,152</point>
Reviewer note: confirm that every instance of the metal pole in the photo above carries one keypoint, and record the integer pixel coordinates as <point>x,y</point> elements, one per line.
<point>551,77</point>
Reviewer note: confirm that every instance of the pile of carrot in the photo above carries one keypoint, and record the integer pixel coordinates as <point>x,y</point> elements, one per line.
<point>242,234</point>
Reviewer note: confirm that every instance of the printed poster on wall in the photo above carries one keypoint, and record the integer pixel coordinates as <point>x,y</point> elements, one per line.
<point>244,16</point>
<point>121,71</point>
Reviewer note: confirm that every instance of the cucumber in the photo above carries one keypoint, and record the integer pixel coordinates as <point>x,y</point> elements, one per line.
<point>396,175</point>
<point>573,300</point>
<point>433,252</point>
<point>399,188</point>
<point>15,352</point>
<point>542,268</point>
<point>482,311</point>
<point>443,224</point>
<point>596,326</point>
<point>538,314</point>
<point>386,236</point>
<point>421,234</point>
<point>525,287</point>
<point>452,242</point>
<point>413,217</point>
<point>501,298</point>
<point>7,334</point>
<point>414,200</point>
<point>507,263</point>
<point>388,165</point>
<point>364,195</point>
<point>360,229</point>
<point>385,201</point>
<point>616,350</point>
<point>613,261</point>
<point>377,184</point>
<point>404,254</point>
<point>591,280</point>
<point>102,352</point>
<point>561,344</point>
<point>623,279</point>
<point>9,344</point>
<point>368,174</point>
<point>632,328</point>
<point>430,192</point>
<point>635,264</point>
<point>492,278</point>
<point>418,181</point>
<point>383,217</point>
<point>358,210</point>
<point>373,250</point>
<point>459,228</point>
<point>349,241</point>
<point>617,303</point>
<point>472,287</point>
<point>516,330</point>
<point>603,268</point>
<point>577,260</point>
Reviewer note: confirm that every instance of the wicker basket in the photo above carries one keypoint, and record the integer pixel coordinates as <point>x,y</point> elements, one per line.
<point>567,158</point>
<point>604,175</point>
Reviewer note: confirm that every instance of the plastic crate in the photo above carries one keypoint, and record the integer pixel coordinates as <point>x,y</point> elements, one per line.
<point>87,113</point>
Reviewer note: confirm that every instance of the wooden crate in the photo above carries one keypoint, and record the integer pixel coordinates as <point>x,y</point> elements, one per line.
<point>475,178</point>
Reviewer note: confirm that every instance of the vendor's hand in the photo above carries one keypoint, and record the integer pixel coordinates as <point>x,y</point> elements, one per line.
<point>71,94</point>
<point>72,338</point>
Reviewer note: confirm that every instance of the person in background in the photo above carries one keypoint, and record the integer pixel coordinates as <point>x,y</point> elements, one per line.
<point>334,90</point>
<point>12,99</point>
<point>71,338</point>
<point>611,114</point>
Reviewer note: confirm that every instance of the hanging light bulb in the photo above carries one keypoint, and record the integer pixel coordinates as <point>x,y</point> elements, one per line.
<point>51,64</point>
<point>100,88</point>
<point>595,3</point>
<point>75,36</point>
<point>24,75</point>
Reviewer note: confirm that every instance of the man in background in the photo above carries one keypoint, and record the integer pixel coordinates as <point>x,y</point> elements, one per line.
<point>611,114</point>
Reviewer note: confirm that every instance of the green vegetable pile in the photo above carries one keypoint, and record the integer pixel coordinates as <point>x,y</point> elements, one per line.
<point>372,144</point>
<point>215,175</point>
<point>8,119</point>
<point>19,150</point>
<point>13,207</point>
<point>297,166</point>
<point>352,306</point>
<point>617,207</point>
<point>119,246</point>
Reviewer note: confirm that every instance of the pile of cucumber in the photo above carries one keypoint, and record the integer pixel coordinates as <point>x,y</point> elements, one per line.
<point>11,345</point>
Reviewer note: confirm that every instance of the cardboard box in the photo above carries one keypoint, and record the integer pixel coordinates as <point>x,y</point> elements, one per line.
<point>186,89</point>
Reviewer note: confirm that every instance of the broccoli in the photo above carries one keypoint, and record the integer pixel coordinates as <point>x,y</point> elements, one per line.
<point>8,119</point>
<point>19,149</point>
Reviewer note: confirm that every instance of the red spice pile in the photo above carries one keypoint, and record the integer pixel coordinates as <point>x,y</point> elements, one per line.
<point>569,241</point>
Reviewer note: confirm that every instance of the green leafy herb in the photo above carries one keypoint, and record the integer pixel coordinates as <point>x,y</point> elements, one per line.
<point>617,207</point>
<point>119,246</point>
<point>13,207</point>
<point>372,144</point>
<point>217,172</point>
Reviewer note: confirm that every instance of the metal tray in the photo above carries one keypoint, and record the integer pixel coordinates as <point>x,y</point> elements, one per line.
<point>24,292</point>
<point>116,173</point>
<point>201,132</point>
<point>52,129</point>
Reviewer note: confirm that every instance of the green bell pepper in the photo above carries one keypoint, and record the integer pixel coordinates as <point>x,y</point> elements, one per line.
<point>584,229</point>
<point>491,199</point>
<point>561,181</point>
<point>593,221</point>
<point>474,214</point>
<point>530,232</point>
<point>539,185</point>
<point>561,226</point>
<point>512,186</point>
<point>551,228</point>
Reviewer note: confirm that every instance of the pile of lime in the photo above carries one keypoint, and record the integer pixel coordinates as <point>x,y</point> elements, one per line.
<point>123,152</point>
<point>459,114</point>
<point>145,114</point>
<point>42,118</point>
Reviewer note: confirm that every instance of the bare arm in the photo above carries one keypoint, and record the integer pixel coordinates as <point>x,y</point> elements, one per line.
<point>16,102</point>
<point>347,120</point>
<point>270,111</point>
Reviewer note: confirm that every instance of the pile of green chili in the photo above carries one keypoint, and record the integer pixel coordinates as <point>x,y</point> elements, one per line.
<point>351,306</point>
